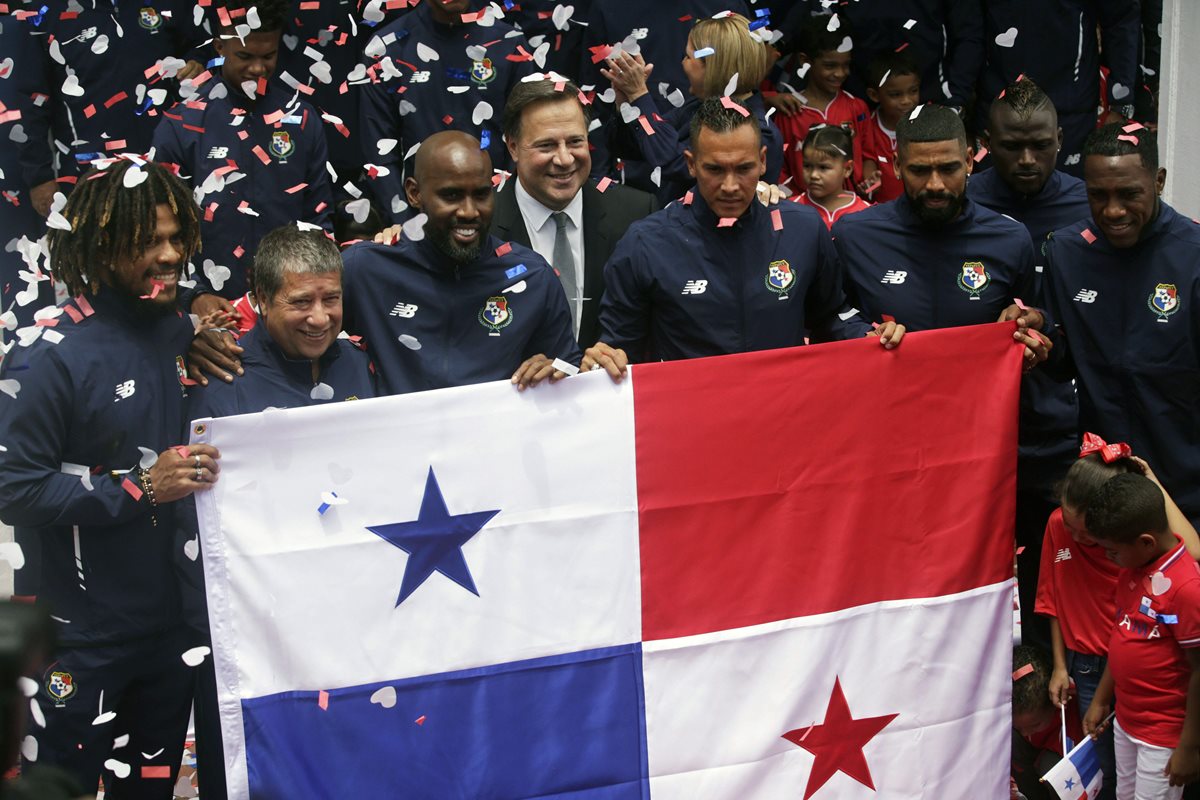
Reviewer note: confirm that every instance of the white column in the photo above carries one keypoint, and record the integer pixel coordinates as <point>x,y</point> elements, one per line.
<point>1179,112</point>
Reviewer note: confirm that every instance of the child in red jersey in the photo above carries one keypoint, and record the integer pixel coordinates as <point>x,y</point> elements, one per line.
<point>1154,649</point>
<point>1037,723</point>
<point>827,166</point>
<point>820,50</point>
<point>895,87</point>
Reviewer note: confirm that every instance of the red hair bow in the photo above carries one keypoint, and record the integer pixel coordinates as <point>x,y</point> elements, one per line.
<point>1109,452</point>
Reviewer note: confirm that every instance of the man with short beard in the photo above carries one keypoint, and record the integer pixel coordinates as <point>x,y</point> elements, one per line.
<point>450,305</point>
<point>932,258</point>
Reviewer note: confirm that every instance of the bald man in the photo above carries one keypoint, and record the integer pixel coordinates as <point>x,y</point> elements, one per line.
<point>450,305</point>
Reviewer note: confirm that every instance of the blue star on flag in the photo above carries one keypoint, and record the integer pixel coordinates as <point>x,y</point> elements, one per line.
<point>434,541</point>
<point>1070,783</point>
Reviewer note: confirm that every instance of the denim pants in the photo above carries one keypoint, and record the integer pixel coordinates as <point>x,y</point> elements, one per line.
<point>1086,671</point>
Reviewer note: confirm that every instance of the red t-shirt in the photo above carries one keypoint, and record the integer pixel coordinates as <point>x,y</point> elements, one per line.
<point>879,147</point>
<point>858,205</point>
<point>1050,737</point>
<point>247,313</point>
<point>1076,583</point>
<point>845,110</point>
<point>1158,616</point>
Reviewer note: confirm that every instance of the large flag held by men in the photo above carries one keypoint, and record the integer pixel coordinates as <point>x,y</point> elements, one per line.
<point>773,575</point>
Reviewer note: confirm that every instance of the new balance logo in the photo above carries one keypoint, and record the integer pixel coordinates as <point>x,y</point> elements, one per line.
<point>1086,296</point>
<point>1062,555</point>
<point>219,152</point>
<point>695,287</point>
<point>403,310</point>
<point>420,77</point>
<point>124,390</point>
<point>895,276</point>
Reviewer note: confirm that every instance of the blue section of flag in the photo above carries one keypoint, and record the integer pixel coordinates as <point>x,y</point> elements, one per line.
<point>570,725</point>
<point>1085,761</point>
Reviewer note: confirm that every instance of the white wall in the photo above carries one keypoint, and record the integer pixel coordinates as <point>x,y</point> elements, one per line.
<point>1179,112</point>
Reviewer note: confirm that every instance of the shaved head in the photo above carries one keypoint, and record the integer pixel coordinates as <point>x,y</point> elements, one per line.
<point>450,149</point>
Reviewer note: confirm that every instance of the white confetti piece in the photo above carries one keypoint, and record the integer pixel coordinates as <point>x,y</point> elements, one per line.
<point>1008,38</point>
<point>332,499</point>
<point>17,134</point>
<point>216,273</point>
<point>1120,92</point>
<point>562,16</point>
<point>656,176</point>
<point>477,52</point>
<point>106,717</point>
<point>426,53</point>
<point>118,768</point>
<point>100,45</point>
<point>191,548</point>
<point>482,112</point>
<point>252,18</point>
<point>516,288</point>
<point>71,86</point>
<point>35,711</point>
<point>540,53</point>
<point>155,754</point>
<point>676,98</point>
<point>629,112</point>
<point>195,657</point>
<point>359,209</point>
<point>385,696</point>
<point>85,474</point>
<point>414,229</point>
<point>15,556</point>
<point>731,87</point>
<point>121,741</point>
<point>846,46</point>
<point>803,69</point>
<point>149,458</point>
<point>250,88</point>
<point>322,71</point>
<point>322,391</point>
<point>385,146</point>
<point>28,686</point>
<point>134,176</point>
<point>908,26</point>
<point>411,342</point>
<point>29,748</point>
<point>834,23</point>
<point>10,387</point>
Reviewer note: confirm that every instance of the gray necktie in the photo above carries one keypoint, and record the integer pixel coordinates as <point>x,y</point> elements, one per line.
<point>564,262</point>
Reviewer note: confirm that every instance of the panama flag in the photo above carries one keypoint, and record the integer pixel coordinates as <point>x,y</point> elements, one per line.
<point>772,575</point>
<point>1078,775</point>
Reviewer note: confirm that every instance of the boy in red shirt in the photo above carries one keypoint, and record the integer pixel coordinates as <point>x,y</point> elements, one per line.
<point>1154,650</point>
<point>895,87</point>
<point>824,56</point>
<point>828,164</point>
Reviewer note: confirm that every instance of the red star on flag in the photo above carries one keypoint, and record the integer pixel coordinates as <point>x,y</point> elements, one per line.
<point>837,744</point>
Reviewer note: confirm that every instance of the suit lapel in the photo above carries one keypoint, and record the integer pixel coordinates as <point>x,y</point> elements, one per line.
<point>596,244</point>
<point>507,223</point>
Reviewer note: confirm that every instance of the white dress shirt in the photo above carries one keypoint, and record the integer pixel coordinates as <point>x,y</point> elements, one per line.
<point>541,228</point>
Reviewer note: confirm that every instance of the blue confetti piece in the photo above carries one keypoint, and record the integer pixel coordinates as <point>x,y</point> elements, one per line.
<point>702,52</point>
<point>519,269</point>
<point>1168,619</point>
<point>508,4</point>
<point>84,158</point>
<point>457,74</point>
<point>485,139</point>
<point>321,509</point>
<point>215,62</point>
<point>145,106</point>
<point>759,23</point>
<point>37,19</point>
<point>762,12</point>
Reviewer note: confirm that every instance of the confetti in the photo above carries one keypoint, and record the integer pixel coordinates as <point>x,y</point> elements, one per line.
<point>134,491</point>
<point>703,52</point>
<point>1008,38</point>
<point>726,222</point>
<point>1133,140</point>
<point>29,748</point>
<point>1088,236</point>
<point>411,342</point>
<point>981,155</point>
<point>195,656</point>
<point>118,768</point>
<point>322,391</point>
<point>604,183</point>
<point>156,771</point>
<point>503,250</point>
<point>727,102</point>
<point>776,219</point>
<point>323,700</point>
<point>385,696</point>
<point>1022,672</point>
<point>563,366</point>
<point>420,720</point>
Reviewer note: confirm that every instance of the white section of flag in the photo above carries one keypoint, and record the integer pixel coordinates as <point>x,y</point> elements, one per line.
<point>557,570</point>
<point>1065,779</point>
<point>717,705</point>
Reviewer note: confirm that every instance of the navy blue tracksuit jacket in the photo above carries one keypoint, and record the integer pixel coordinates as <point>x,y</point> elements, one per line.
<point>1133,336</point>
<point>677,286</point>
<point>429,323</point>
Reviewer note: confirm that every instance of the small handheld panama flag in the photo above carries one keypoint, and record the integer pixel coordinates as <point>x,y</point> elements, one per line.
<point>1078,775</point>
<point>779,574</point>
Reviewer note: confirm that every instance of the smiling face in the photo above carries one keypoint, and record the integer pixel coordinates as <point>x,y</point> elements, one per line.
<point>305,315</point>
<point>161,262</point>
<point>897,97</point>
<point>1123,195</point>
<point>1024,150</point>
<point>827,73</point>
<point>935,178</point>
<point>453,186</point>
<point>247,60</point>
<point>727,167</point>
<point>551,152</point>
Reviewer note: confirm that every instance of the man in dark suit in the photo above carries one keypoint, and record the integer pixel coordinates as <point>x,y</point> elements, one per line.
<point>551,206</point>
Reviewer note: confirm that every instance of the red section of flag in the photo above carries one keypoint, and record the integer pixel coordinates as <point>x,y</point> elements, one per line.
<point>742,525</point>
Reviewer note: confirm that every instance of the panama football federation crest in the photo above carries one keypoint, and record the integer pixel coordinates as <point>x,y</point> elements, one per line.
<point>482,72</point>
<point>495,315</point>
<point>60,686</point>
<point>1164,301</point>
<point>149,19</point>
<point>281,144</point>
<point>780,278</point>
<point>974,278</point>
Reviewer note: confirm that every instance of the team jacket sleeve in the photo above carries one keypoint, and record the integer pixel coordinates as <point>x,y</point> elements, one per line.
<point>830,317</point>
<point>1060,365</point>
<point>34,491</point>
<point>379,118</point>
<point>625,306</point>
<point>318,195</point>
<point>1120,32</point>
<point>964,58</point>
<point>658,149</point>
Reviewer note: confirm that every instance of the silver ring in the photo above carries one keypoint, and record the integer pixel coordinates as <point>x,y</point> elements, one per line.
<point>197,461</point>
<point>200,474</point>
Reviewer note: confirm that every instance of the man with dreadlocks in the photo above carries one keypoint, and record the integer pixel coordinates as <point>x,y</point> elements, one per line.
<point>91,417</point>
<point>1024,137</point>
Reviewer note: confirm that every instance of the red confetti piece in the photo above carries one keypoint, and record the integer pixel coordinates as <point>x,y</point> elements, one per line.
<point>685,18</point>
<point>262,154</point>
<point>981,155</point>
<point>1133,140</point>
<point>447,119</point>
<point>84,306</point>
<point>154,292</point>
<point>687,198</point>
<point>420,720</point>
<point>600,52</point>
<point>310,5</point>
<point>732,106</point>
<point>323,700</point>
<point>208,212</point>
<point>116,98</point>
<point>1133,126</point>
<point>560,85</point>
<point>156,772</point>
<point>1021,549</point>
<point>1022,672</point>
<point>134,490</point>
<point>726,222</point>
<point>604,183</point>
<point>776,219</point>
<point>1020,304</point>
<point>73,313</point>
<point>470,17</point>
<point>89,111</point>
<point>298,187</point>
<point>223,15</point>
<point>646,126</point>
<point>1088,236</point>
<point>261,88</point>
<point>183,450</point>
<point>584,99</point>
<point>115,144</point>
<point>321,206</point>
<point>273,117</point>
<point>195,128</point>
<point>504,249</point>
<point>239,251</point>
<point>901,47</point>
<point>46,323</point>
<point>243,135</point>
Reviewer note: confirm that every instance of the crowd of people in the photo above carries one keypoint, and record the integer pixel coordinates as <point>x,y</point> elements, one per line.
<point>217,208</point>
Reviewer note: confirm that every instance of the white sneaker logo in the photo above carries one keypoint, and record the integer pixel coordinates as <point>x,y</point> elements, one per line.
<point>1062,555</point>
<point>124,390</point>
<point>420,77</point>
<point>695,287</point>
<point>219,152</point>
<point>1086,296</point>
<point>404,310</point>
<point>894,276</point>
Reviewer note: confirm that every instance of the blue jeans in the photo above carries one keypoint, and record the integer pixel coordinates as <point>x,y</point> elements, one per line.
<point>1086,671</point>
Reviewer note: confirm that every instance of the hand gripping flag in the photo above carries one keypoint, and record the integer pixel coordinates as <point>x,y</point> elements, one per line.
<point>1078,775</point>
<point>779,574</point>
